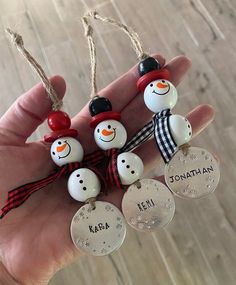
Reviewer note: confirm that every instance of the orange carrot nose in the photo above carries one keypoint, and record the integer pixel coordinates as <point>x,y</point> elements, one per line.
<point>161,85</point>
<point>106,133</point>
<point>61,148</point>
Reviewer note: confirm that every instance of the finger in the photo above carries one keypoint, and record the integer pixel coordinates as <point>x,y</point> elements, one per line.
<point>120,92</point>
<point>178,67</point>
<point>136,112</point>
<point>199,118</point>
<point>30,110</point>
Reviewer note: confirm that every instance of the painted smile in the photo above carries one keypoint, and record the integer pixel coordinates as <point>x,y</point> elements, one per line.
<point>68,153</point>
<point>153,91</point>
<point>114,135</point>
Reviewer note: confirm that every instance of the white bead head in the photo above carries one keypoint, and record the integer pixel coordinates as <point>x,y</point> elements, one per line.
<point>110,134</point>
<point>130,167</point>
<point>66,150</point>
<point>83,184</point>
<point>159,95</point>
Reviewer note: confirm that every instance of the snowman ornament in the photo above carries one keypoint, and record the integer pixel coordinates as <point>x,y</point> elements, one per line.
<point>91,231</point>
<point>109,134</point>
<point>192,172</point>
<point>83,183</point>
<point>160,96</point>
<point>141,194</point>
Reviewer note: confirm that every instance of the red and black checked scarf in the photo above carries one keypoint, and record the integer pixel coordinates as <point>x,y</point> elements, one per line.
<point>18,196</point>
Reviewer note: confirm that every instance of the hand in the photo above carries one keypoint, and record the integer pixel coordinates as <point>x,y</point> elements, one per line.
<point>34,238</point>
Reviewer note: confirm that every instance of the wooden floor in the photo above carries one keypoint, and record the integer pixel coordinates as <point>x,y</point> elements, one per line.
<point>199,246</point>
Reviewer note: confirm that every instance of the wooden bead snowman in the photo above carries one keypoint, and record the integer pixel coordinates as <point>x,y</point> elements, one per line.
<point>160,94</point>
<point>109,133</point>
<point>83,183</point>
<point>96,228</point>
<point>194,172</point>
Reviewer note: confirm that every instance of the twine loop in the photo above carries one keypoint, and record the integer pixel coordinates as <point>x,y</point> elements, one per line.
<point>88,31</point>
<point>17,40</point>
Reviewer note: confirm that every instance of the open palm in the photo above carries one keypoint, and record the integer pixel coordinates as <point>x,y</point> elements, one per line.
<point>34,238</point>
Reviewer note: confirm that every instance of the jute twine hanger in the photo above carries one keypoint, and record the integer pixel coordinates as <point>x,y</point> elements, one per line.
<point>134,38</point>
<point>18,42</point>
<point>136,44</point>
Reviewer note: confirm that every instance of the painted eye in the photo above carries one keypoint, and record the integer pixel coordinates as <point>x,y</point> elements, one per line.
<point>123,161</point>
<point>151,85</point>
<point>132,171</point>
<point>81,181</point>
<point>78,175</point>
<point>163,81</point>
<point>98,130</point>
<point>53,153</point>
<point>128,166</point>
<point>59,142</point>
<point>109,126</point>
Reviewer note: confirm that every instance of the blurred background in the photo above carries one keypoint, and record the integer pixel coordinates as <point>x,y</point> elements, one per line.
<point>199,246</point>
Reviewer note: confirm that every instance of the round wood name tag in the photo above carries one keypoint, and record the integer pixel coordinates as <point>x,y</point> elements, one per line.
<point>194,175</point>
<point>99,231</point>
<point>148,206</point>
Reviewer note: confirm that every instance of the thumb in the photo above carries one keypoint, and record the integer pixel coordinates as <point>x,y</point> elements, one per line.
<point>30,110</point>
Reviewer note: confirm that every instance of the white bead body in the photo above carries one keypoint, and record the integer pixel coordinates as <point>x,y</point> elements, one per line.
<point>110,134</point>
<point>66,150</point>
<point>180,128</point>
<point>130,167</point>
<point>159,95</point>
<point>83,184</point>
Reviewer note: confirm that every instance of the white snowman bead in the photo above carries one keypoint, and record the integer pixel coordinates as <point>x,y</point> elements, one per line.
<point>160,95</point>
<point>66,150</point>
<point>180,128</point>
<point>110,134</point>
<point>83,184</point>
<point>130,167</point>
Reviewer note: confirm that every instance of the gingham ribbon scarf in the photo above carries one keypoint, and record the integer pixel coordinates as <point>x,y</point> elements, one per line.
<point>159,126</point>
<point>109,158</point>
<point>18,196</point>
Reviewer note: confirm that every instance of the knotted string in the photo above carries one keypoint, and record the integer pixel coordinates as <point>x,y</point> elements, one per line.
<point>88,32</point>
<point>19,43</point>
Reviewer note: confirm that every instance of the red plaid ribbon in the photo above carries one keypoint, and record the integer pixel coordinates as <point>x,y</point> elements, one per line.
<point>109,157</point>
<point>18,196</point>
<point>112,175</point>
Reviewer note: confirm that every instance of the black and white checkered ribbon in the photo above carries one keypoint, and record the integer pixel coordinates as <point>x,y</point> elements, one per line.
<point>159,126</point>
<point>163,136</point>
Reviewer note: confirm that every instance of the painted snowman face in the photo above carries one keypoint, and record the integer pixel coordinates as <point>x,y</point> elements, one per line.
<point>66,150</point>
<point>130,167</point>
<point>83,184</point>
<point>160,95</point>
<point>110,134</point>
